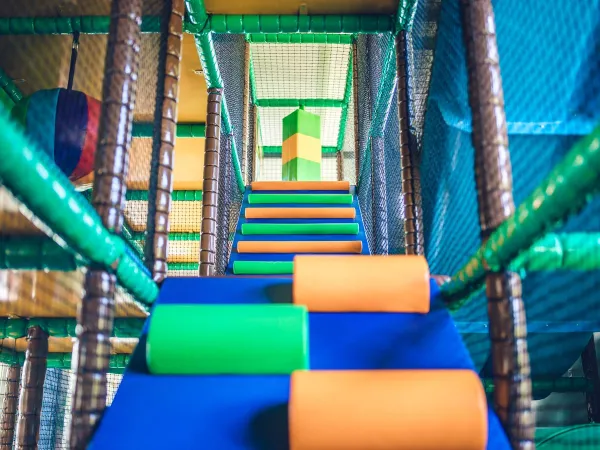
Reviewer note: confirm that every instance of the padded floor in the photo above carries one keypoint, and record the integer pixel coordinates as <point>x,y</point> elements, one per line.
<point>250,412</point>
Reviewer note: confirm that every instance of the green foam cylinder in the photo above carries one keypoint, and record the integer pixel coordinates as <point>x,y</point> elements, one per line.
<point>227,339</point>
<point>299,228</point>
<point>263,267</point>
<point>323,199</point>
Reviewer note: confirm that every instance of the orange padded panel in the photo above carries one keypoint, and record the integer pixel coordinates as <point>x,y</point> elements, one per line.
<point>300,213</point>
<point>300,185</point>
<point>387,410</point>
<point>362,283</point>
<point>299,247</point>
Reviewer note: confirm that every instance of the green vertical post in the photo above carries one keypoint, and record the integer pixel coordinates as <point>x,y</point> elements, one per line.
<point>301,149</point>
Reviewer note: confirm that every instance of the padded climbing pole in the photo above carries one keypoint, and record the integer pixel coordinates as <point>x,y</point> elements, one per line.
<point>10,402</point>
<point>508,328</point>
<point>96,312</point>
<point>163,143</point>
<point>411,179</point>
<point>210,195</point>
<point>32,389</point>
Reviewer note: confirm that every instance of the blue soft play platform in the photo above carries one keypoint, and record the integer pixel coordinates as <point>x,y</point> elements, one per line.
<point>235,256</point>
<point>250,412</point>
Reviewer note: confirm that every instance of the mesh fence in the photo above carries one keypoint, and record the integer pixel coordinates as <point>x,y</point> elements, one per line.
<point>314,76</point>
<point>551,93</point>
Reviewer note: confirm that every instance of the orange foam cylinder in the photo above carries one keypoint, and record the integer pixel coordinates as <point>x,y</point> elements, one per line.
<point>300,185</point>
<point>299,247</point>
<point>387,410</point>
<point>362,283</point>
<point>300,213</point>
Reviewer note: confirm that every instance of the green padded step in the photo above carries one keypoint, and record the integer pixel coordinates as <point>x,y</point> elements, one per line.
<point>299,228</point>
<point>323,199</point>
<point>263,267</point>
<point>227,339</point>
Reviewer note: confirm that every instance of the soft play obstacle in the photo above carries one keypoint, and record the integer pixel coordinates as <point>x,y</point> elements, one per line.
<point>227,339</point>
<point>300,186</point>
<point>299,228</point>
<point>300,213</point>
<point>263,267</point>
<point>299,247</point>
<point>64,124</point>
<point>317,199</point>
<point>387,410</point>
<point>362,283</point>
<point>301,150</point>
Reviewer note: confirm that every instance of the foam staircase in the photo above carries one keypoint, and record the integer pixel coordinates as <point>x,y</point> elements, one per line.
<point>354,352</point>
<point>279,220</point>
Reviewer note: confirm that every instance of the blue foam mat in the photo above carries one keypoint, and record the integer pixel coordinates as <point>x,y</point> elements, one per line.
<point>250,412</point>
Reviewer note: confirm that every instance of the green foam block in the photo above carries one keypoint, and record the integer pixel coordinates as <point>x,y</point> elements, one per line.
<point>325,199</point>
<point>263,267</point>
<point>227,339</point>
<point>299,228</point>
<point>300,169</point>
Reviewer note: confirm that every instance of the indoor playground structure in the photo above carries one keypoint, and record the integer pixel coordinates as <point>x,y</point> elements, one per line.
<point>299,225</point>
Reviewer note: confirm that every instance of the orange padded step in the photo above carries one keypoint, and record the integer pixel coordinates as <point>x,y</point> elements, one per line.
<point>362,283</point>
<point>300,213</point>
<point>300,185</point>
<point>299,247</point>
<point>387,410</point>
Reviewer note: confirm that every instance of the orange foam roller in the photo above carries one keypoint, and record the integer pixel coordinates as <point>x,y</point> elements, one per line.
<point>362,283</point>
<point>299,247</point>
<point>300,213</point>
<point>300,185</point>
<point>387,410</point>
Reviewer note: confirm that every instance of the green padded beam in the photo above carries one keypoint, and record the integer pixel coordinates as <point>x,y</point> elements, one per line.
<point>263,267</point>
<point>129,327</point>
<point>321,199</point>
<point>277,150</point>
<point>176,196</point>
<point>227,339</point>
<point>298,102</point>
<point>565,190</point>
<point>26,171</point>
<point>116,363</point>
<point>183,130</point>
<point>218,23</point>
<point>298,38</point>
<point>299,228</point>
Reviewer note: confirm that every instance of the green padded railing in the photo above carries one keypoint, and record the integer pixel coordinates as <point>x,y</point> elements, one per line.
<point>565,191</point>
<point>27,171</point>
<point>130,327</point>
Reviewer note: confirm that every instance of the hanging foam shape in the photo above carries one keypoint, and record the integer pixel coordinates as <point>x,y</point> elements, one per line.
<point>362,283</point>
<point>387,410</point>
<point>65,125</point>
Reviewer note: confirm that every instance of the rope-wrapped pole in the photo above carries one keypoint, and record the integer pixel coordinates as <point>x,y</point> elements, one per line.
<point>493,175</point>
<point>339,164</point>
<point>32,389</point>
<point>161,171</point>
<point>210,194</point>
<point>411,178</point>
<point>246,165</point>
<point>95,316</point>
<point>357,160</point>
<point>10,402</point>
